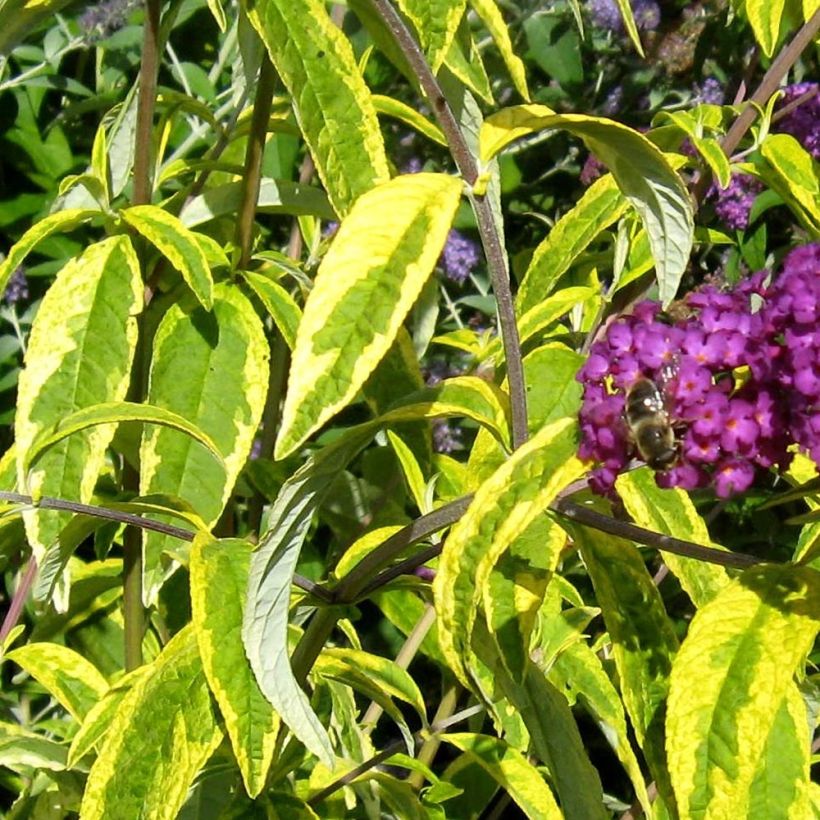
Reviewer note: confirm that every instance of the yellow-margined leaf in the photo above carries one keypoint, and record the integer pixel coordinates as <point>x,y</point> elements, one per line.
<point>177,244</point>
<point>211,368</point>
<point>332,102</point>
<point>118,412</point>
<point>671,512</point>
<point>764,17</point>
<point>790,170</point>
<point>642,171</point>
<point>782,784</point>
<point>595,211</point>
<point>162,734</point>
<point>409,116</point>
<point>728,682</point>
<point>75,682</point>
<point>580,673</point>
<point>219,579</point>
<point>62,221</point>
<point>511,770</point>
<point>376,266</point>
<point>436,22</point>
<point>642,635</point>
<point>279,304</point>
<point>490,15</point>
<point>503,508</point>
<point>98,720</point>
<point>79,355</point>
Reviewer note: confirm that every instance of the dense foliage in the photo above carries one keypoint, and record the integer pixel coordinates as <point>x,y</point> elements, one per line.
<point>410,408</point>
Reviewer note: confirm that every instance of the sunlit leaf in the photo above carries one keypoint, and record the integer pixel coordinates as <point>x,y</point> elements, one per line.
<point>79,355</point>
<point>743,649</point>
<point>368,281</point>
<point>331,101</point>
<point>641,170</point>
<point>163,732</point>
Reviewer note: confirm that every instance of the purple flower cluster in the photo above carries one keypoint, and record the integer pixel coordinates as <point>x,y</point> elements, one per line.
<point>803,121</point>
<point>710,91</point>
<point>739,374</point>
<point>605,14</point>
<point>101,19</point>
<point>17,287</point>
<point>734,202</point>
<point>459,257</point>
<point>792,317</point>
<point>447,438</point>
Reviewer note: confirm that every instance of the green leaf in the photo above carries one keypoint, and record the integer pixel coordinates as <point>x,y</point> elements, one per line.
<point>79,354</point>
<point>378,679</point>
<point>553,392</point>
<point>62,221</point>
<point>70,678</point>
<point>579,672</point>
<point>22,750</point>
<point>554,45</point>
<point>511,770</point>
<point>436,23</point>
<point>177,244</point>
<point>643,638</point>
<point>409,116</point>
<point>601,206</point>
<point>219,579</point>
<point>276,196</point>
<point>19,17</point>
<point>764,17</point>
<point>791,171</point>
<point>490,15</point>
<point>368,281</point>
<point>672,513</point>
<point>410,469</point>
<point>98,720</point>
<point>468,69</point>
<point>467,396</point>
<point>503,508</point>
<point>642,172</point>
<point>542,315</point>
<point>162,734</point>
<point>383,672</point>
<point>743,649</point>
<point>515,590</point>
<point>333,106</point>
<point>211,368</point>
<point>118,412</point>
<point>556,740</point>
<point>716,159</point>
<point>265,625</point>
<point>282,307</point>
<point>782,783</point>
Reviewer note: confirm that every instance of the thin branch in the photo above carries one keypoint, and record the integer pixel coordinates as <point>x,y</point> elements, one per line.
<point>632,532</point>
<point>251,179</point>
<point>360,582</point>
<point>146,103</point>
<point>47,503</point>
<point>388,751</point>
<point>426,754</point>
<point>405,655</point>
<point>134,520</point>
<point>493,246</point>
<point>349,588</point>
<point>19,598</point>
<point>768,85</point>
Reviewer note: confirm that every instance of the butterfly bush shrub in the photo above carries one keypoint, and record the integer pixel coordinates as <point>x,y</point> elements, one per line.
<point>319,325</point>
